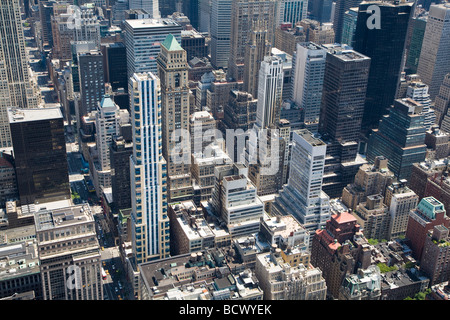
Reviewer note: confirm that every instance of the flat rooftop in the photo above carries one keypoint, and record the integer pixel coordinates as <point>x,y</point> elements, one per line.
<point>151,23</point>
<point>344,52</point>
<point>38,114</point>
<point>310,138</point>
<point>49,219</point>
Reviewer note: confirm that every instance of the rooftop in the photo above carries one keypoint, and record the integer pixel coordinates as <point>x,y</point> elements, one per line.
<point>48,219</point>
<point>310,137</point>
<point>430,206</point>
<point>171,44</point>
<point>38,114</point>
<point>343,217</point>
<point>151,23</point>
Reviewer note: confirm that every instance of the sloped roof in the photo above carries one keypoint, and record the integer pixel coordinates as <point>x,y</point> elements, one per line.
<point>171,44</point>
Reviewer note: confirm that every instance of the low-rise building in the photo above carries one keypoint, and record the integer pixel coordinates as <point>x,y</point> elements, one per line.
<point>19,263</point>
<point>364,285</point>
<point>370,179</point>
<point>281,281</point>
<point>373,217</point>
<point>204,275</point>
<point>436,255</point>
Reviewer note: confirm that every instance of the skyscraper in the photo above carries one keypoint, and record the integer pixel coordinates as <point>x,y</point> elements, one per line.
<point>442,104</point>
<point>107,119</point>
<point>309,69</point>
<point>401,200</point>
<point>143,38</point>
<point>258,47</point>
<point>270,90</point>
<point>386,48</point>
<point>204,15</point>
<point>342,107</point>
<point>92,85</point>
<point>243,15</point>
<point>436,253</point>
<point>40,154</point>
<point>15,84</point>
<point>418,25</point>
<point>291,11</point>
<point>434,61</point>
<point>320,10</point>
<point>148,170</point>
<point>349,26</point>
<point>344,93</point>
<point>220,32</point>
<point>418,91</point>
<point>172,70</point>
<point>303,197</point>
<point>341,7</point>
<point>120,152</point>
<point>150,6</point>
<point>115,56</point>
<point>400,137</point>
<point>234,200</point>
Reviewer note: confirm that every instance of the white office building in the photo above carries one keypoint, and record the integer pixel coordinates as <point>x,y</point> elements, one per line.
<point>270,91</point>
<point>235,202</point>
<point>150,222</point>
<point>107,121</point>
<point>308,65</point>
<point>303,197</point>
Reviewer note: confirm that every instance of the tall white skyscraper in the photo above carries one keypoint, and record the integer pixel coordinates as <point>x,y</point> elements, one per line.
<point>303,196</point>
<point>15,84</point>
<point>220,32</point>
<point>270,90</point>
<point>150,222</point>
<point>308,65</point>
<point>151,6</point>
<point>434,61</point>
<point>107,121</point>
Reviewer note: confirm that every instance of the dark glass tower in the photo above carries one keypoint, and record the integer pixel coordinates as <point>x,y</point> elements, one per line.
<point>115,56</point>
<point>344,92</point>
<point>120,153</point>
<point>320,10</point>
<point>385,46</point>
<point>415,44</point>
<point>40,155</point>
<point>400,138</point>
<point>190,9</point>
